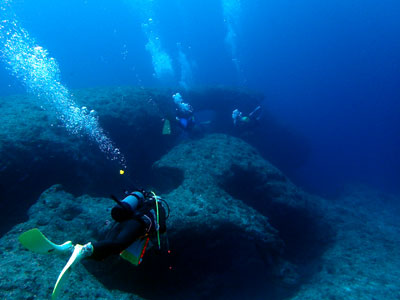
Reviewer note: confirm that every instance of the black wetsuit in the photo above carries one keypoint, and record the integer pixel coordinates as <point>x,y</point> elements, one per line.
<point>121,236</point>
<point>125,232</point>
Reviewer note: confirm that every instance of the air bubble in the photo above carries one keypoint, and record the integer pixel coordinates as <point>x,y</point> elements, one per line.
<point>40,74</point>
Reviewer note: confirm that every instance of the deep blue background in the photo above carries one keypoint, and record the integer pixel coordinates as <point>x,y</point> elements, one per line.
<point>329,69</point>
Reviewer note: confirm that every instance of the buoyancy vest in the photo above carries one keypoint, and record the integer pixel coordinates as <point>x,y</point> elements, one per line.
<point>147,213</point>
<point>136,206</point>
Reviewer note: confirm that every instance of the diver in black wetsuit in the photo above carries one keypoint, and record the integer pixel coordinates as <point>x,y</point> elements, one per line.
<point>136,217</point>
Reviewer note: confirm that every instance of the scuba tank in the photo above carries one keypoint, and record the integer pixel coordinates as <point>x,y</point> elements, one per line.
<point>126,208</point>
<point>141,205</point>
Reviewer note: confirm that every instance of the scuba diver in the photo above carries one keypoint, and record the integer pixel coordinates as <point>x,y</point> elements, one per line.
<point>246,121</point>
<point>139,214</point>
<point>184,113</point>
<point>138,217</point>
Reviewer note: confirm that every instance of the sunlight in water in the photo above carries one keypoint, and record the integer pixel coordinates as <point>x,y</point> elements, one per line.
<point>162,63</point>
<point>232,10</point>
<point>186,79</point>
<point>161,60</point>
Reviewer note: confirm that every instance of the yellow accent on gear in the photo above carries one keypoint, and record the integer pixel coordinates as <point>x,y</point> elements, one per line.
<point>158,220</point>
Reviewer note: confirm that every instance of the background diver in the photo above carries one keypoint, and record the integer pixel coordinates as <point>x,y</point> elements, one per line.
<point>246,121</point>
<point>184,114</point>
<point>138,217</point>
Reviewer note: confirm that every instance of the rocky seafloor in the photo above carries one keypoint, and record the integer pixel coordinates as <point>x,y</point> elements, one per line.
<point>364,261</point>
<point>239,229</point>
<point>36,151</point>
<point>224,243</point>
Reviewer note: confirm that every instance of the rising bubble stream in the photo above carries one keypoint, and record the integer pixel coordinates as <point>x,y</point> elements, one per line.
<point>40,74</point>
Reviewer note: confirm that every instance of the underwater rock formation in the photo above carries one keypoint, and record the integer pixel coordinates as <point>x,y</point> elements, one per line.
<point>226,235</point>
<point>221,174</point>
<point>36,151</point>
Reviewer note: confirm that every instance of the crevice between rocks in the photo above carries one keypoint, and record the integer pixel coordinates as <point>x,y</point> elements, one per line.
<point>302,228</point>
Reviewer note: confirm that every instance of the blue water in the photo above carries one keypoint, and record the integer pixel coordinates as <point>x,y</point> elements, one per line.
<point>329,69</point>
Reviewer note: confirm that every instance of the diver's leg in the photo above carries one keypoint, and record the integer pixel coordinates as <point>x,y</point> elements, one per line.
<point>130,230</point>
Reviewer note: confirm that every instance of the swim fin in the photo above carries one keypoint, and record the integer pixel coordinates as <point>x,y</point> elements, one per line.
<point>35,241</point>
<point>167,127</point>
<point>134,253</point>
<point>79,253</point>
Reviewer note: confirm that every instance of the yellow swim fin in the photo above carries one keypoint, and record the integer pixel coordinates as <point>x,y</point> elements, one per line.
<point>134,253</point>
<point>167,127</point>
<point>35,241</point>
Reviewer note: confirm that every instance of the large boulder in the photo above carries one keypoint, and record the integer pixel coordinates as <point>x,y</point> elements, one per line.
<point>36,150</point>
<point>217,176</point>
<point>228,238</point>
